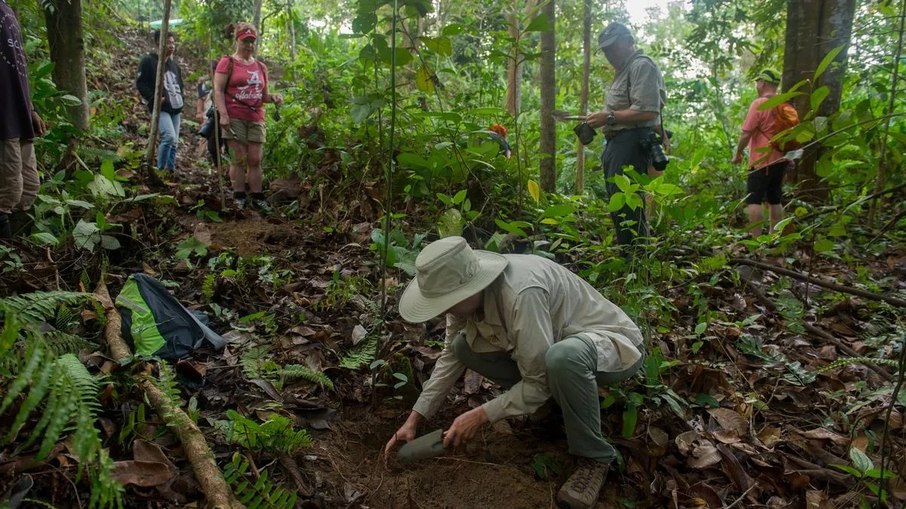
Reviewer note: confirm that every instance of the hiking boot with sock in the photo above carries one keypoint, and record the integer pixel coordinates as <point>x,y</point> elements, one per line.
<point>582,488</point>
<point>239,200</point>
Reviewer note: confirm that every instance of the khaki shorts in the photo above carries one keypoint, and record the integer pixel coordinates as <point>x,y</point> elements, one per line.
<point>244,131</point>
<point>18,175</point>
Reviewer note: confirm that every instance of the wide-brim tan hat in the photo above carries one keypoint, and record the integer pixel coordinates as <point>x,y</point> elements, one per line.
<point>447,272</point>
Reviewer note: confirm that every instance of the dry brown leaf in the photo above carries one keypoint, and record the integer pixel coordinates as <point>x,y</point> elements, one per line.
<point>824,434</point>
<point>704,456</point>
<point>703,492</point>
<point>815,499</point>
<point>358,334</point>
<point>141,473</point>
<point>658,436</point>
<point>685,441</point>
<point>203,234</point>
<point>472,382</point>
<point>726,436</point>
<point>730,420</point>
<point>303,330</point>
<point>769,436</point>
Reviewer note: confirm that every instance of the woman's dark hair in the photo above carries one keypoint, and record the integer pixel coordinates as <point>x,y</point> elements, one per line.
<point>157,37</point>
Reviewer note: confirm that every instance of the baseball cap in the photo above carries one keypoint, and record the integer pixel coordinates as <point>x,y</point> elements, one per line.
<point>246,33</point>
<point>769,76</point>
<point>611,33</point>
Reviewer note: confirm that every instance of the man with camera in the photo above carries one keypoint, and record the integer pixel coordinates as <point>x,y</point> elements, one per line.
<point>630,122</point>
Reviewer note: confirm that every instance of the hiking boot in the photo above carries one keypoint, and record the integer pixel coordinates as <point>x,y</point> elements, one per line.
<point>238,203</point>
<point>261,205</point>
<point>582,488</point>
<point>259,202</point>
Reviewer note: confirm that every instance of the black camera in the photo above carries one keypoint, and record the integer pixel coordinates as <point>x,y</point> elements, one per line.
<point>585,132</point>
<point>652,144</point>
<point>277,114</point>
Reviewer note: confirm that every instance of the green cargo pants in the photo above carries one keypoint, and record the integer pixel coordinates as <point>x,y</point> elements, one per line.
<point>573,381</point>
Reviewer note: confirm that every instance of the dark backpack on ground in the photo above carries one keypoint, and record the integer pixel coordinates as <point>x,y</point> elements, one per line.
<point>156,324</point>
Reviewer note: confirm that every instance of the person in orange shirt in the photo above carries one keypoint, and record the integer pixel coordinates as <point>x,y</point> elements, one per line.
<point>766,164</point>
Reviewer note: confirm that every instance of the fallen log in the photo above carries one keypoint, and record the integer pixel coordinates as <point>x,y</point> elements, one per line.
<point>820,282</point>
<point>210,478</point>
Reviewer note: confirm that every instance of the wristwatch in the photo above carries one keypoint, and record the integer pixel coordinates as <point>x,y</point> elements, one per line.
<point>611,120</point>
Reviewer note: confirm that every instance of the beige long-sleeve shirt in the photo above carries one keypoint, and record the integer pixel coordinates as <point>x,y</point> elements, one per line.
<point>532,305</point>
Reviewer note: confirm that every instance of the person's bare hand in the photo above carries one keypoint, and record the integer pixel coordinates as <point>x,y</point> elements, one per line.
<point>277,99</point>
<point>38,123</point>
<point>465,427</point>
<point>737,158</point>
<point>404,434</point>
<point>596,119</point>
<point>224,120</point>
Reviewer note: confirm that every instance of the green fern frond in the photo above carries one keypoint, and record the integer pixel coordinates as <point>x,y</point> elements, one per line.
<point>59,343</point>
<point>362,355</point>
<point>105,491</point>
<point>847,361</point>
<point>275,435</point>
<point>38,390</point>
<point>40,306</point>
<point>251,362</point>
<point>36,356</point>
<point>262,493</point>
<point>292,371</point>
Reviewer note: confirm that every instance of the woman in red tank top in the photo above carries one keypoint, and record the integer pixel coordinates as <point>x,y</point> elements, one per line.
<point>240,92</point>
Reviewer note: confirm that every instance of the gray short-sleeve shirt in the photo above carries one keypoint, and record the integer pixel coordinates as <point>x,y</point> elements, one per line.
<point>639,86</point>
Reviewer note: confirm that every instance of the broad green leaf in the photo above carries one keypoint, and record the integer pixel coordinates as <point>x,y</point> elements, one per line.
<point>108,170</point>
<point>860,460</point>
<point>510,228</point>
<point>561,210</point>
<point>823,245</point>
<point>831,55</point>
<point>410,160</point>
<point>630,420</point>
<point>539,24</point>
<point>622,182</point>
<point>44,239</point>
<point>423,81</point>
<point>459,197</point>
<point>86,235</point>
<point>440,45</point>
<point>534,190</point>
<point>617,201</point>
<point>109,243</point>
<point>848,469</point>
<point>452,29</point>
<point>818,97</point>
<point>79,203</point>
<point>701,328</point>
<point>550,221</point>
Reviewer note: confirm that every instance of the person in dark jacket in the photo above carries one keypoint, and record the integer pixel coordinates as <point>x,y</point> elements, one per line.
<point>171,99</point>
<point>19,124</point>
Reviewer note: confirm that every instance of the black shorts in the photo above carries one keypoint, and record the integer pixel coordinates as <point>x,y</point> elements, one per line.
<point>766,184</point>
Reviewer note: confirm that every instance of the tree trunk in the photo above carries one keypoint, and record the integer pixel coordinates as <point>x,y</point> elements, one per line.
<point>583,95</point>
<point>67,52</point>
<point>514,65</point>
<point>151,177</point>
<point>814,28</point>
<point>548,101</point>
<point>257,17</point>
